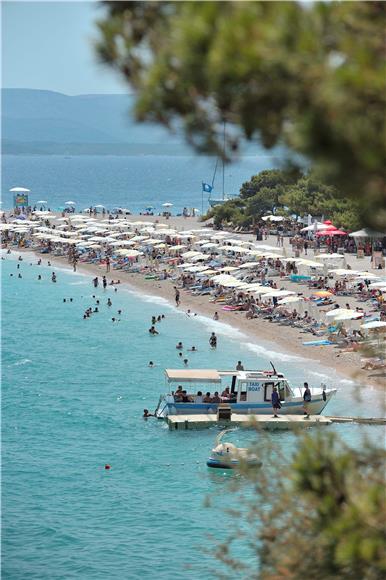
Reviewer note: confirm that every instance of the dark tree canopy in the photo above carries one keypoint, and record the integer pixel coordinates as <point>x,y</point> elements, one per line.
<point>311,76</point>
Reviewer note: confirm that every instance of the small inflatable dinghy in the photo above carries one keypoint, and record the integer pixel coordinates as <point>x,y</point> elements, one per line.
<point>228,456</point>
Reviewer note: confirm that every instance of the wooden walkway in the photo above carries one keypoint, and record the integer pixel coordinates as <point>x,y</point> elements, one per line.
<point>189,422</point>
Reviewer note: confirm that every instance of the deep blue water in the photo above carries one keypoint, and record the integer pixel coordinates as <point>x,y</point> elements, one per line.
<point>134,182</point>
<point>73,395</point>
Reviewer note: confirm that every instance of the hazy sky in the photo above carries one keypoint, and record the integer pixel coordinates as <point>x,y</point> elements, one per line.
<point>48,45</point>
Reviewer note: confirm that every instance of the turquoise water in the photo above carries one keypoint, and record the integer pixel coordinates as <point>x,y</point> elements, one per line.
<point>135,182</point>
<point>73,395</point>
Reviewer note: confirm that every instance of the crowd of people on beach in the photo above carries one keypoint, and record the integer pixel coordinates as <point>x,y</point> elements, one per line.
<point>260,282</point>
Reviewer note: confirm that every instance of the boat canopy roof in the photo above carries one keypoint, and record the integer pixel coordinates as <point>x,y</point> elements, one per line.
<point>192,376</point>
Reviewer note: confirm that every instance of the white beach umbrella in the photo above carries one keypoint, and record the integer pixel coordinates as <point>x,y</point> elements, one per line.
<point>290,300</point>
<point>21,189</point>
<point>248,265</point>
<point>167,204</point>
<point>70,203</point>
<point>374,324</point>
<point>339,312</point>
<point>273,218</point>
<point>177,248</point>
<point>316,226</point>
<point>277,293</point>
<point>228,269</point>
<point>42,201</point>
<point>349,315</point>
<point>190,254</point>
<point>343,272</point>
<point>375,285</point>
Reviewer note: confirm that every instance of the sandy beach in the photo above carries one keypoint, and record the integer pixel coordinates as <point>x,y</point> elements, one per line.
<point>286,339</point>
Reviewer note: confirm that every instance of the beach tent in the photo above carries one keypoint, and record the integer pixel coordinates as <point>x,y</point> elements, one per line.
<point>367,233</point>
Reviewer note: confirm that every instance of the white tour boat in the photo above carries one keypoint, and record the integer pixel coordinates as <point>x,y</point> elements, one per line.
<point>246,392</point>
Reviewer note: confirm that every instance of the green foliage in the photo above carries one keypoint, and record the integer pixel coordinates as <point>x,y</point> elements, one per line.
<point>311,76</point>
<point>321,516</point>
<point>287,194</point>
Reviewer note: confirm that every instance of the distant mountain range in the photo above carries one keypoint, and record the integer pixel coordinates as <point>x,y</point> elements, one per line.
<point>46,122</point>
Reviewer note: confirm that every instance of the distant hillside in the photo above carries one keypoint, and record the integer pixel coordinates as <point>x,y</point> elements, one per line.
<point>33,120</point>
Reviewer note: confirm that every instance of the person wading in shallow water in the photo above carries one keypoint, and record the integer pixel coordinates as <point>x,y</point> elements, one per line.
<point>213,340</point>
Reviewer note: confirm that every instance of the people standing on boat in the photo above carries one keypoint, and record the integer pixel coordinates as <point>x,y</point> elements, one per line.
<point>307,399</point>
<point>207,398</point>
<point>275,400</point>
<point>198,398</point>
<point>216,398</point>
<point>239,366</point>
<point>213,340</point>
<point>177,296</point>
<point>226,394</point>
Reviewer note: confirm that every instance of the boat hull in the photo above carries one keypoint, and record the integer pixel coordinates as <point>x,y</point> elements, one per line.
<point>294,407</point>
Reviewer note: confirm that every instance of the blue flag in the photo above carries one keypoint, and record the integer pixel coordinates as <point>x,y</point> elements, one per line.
<point>206,187</point>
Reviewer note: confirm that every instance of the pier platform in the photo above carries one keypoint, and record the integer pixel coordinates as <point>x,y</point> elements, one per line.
<point>186,422</point>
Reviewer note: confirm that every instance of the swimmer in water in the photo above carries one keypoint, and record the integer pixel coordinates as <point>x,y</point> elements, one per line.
<point>96,309</point>
<point>193,349</point>
<point>48,263</point>
<point>151,364</point>
<point>18,266</point>
<point>64,300</point>
<point>146,414</point>
<point>53,277</point>
<point>179,346</point>
<point>39,277</point>
<point>153,320</point>
<point>109,303</point>
<point>213,340</point>
<point>153,331</point>
<point>20,276</point>
<point>119,311</point>
<point>186,362</point>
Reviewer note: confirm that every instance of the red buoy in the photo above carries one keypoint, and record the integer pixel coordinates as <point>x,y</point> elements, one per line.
<point>107,466</point>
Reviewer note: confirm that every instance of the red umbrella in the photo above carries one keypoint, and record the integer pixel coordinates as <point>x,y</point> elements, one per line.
<point>328,222</point>
<point>331,232</point>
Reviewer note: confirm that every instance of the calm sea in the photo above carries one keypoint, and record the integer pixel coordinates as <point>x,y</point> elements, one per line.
<point>73,394</point>
<point>133,182</point>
